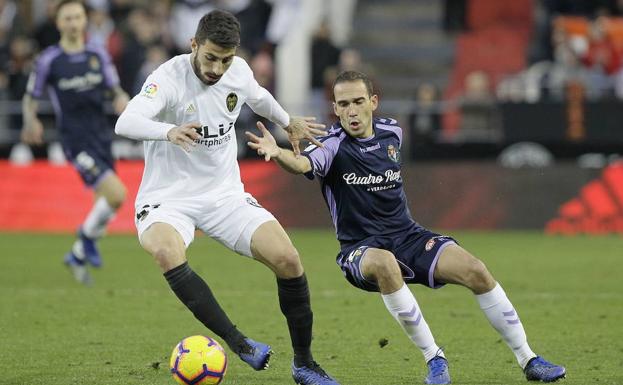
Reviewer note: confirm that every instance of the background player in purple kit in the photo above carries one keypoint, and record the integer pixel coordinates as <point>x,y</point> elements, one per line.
<point>382,247</point>
<point>77,77</point>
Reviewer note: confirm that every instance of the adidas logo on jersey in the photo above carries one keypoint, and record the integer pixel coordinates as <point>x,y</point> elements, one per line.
<point>190,109</point>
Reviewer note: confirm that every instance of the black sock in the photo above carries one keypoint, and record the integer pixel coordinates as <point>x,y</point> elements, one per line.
<point>198,298</point>
<point>295,305</point>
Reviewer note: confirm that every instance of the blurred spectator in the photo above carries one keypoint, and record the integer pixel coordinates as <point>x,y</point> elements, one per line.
<point>46,33</point>
<point>601,56</point>
<point>324,56</point>
<point>425,119</point>
<point>155,55</point>
<point>566,66</point>
<point>253,16</point>
<point>454,15</point>
<point>349,60</point>
<point>119,9</point>
<point>100,25</point>
<point>142,33</point>
<point>19,67</point>
<point>262,66</point>
<point>161,14</point>
<point>185,16</point>
<point>581,7</point>
<point>477,105</point>
<point>8,13</point>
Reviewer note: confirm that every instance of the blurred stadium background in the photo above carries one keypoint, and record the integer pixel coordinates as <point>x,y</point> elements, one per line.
<point>512,120</point>
<point>511,110</point>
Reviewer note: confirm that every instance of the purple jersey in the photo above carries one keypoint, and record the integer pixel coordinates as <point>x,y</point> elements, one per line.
<point>361,183</point>
<point>76,85</point>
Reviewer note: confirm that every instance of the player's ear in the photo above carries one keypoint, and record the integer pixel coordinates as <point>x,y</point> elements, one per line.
<point>374,100</point>
<point>193,44</point>
<point>335,109</point>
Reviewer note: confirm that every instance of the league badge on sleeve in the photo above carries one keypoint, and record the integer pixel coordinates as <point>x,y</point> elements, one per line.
<point>150,90</point>
<point>231,101</point>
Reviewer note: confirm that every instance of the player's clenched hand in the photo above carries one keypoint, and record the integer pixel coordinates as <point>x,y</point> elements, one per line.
<point>265,145</point>
<point>32,132</point>
<point>184,135</point>
<point>303,128</point>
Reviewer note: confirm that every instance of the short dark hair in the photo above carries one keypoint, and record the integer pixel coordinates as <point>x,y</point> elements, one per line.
<point>352,76</point>
<point>220,27</point>
<point>63,3</point>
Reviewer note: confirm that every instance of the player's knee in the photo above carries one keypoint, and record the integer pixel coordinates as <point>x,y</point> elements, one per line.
<point>166,256</point>
<point>287,263</point>
<point>117,197</point>
<point>478,276</point>
<point>381,264</point>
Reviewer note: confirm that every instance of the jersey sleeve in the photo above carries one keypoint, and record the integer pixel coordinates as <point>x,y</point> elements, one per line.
<point>38,78</point>
<point>390,125</point>
<point>139,120</point>
<point>263,103</point>
<point>321,158</point>
<point>111,77</point>
<point>157,93</point>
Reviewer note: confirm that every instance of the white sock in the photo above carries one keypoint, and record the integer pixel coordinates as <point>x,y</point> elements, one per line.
<point>405,309</point>
<point>96,221</point>
<point>503,317</point>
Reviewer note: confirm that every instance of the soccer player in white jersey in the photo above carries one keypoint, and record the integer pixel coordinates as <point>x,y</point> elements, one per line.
<point>185,114</point>
<point>382,248</point>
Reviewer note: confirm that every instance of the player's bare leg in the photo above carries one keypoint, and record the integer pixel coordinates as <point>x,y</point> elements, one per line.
<point>109,195</point>
<point>456,265</point>
<point>166,245</point>
<point>380,266</point>
<point>271,245</point>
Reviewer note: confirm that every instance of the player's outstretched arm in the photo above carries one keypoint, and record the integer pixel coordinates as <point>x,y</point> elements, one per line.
<point>32,129</point>
<point>120,100</point>
<point>267,147</point>
<point>303,127</point>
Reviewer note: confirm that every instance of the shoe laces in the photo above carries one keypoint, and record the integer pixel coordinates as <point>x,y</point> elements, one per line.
<point>437,366</point>
<point>315,367</point>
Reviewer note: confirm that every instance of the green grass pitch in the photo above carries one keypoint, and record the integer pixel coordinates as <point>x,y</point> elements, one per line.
<point>568,292</point>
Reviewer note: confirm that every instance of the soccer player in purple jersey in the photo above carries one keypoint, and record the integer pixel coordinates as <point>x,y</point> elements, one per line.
<point>382,248</point>
<point>77,76</point>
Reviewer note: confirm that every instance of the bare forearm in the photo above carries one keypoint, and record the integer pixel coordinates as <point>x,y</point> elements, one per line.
<point>118,91</point>
<point>289,162</point>
<point>29,109</point>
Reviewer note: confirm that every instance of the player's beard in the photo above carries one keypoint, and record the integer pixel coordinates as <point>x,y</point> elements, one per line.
<point>197,70</point>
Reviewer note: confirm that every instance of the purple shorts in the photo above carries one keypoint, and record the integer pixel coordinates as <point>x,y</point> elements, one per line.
<point>416,251</point>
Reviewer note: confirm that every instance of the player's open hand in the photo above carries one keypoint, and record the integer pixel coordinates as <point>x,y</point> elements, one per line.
<point>304,128</point>
<point>185,135</point>
<point>265,145</point>
<point>32,132</point>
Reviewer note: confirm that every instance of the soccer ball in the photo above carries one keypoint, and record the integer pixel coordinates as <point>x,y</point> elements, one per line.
<point>198,360</point>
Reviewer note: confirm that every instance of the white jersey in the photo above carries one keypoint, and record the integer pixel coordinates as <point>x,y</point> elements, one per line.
<point>173,95</point>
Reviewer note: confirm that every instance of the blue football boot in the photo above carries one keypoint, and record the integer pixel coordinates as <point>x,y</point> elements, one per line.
<point>258,355</point>
<point>78,269</point>
<point>438,372</point>
<point>540,370</point>
<point>90,249</point>
<point>312,375</point>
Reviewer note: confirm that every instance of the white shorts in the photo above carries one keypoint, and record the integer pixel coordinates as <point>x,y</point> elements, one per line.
<point>231,220</point>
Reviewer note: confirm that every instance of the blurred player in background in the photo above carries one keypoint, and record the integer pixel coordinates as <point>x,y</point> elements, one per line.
<point>382,247</point>
<point>186,113</point>
<point>77,77</point>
